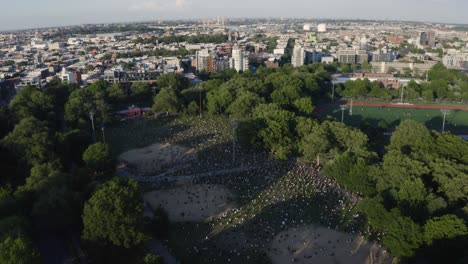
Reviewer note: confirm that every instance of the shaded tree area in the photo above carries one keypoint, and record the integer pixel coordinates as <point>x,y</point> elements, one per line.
<point>50,168</point>
<point>420,194</point>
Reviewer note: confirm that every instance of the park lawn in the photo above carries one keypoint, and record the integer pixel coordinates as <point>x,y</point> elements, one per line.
<point>456,120</point>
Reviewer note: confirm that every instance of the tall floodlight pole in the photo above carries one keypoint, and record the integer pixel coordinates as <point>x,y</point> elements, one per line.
<point>199,94</point>
<point>234,136</point>
<point>445,112</point>
<point>343,108</point>
<point>351,108</point>
<point>103,134</point>
<point>333,91</point>
<point>91,116</point>
<point>402,89</point>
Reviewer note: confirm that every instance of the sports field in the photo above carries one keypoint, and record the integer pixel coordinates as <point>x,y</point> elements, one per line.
<point>456,120</point>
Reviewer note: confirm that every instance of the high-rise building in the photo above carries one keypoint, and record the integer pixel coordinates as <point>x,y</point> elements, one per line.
<point>220,64</point>
<point>322,28</point>
<point>298,55</point>
<point>352,56</point>
<point>239,61</point>
<point>67,76</point>
<point>384,55</point>
<point>347,56</point>
<point>312,55</point>
<point>427,39</point>
<point>202,60</point>
<point>362,56</point>
<point>363,43</point>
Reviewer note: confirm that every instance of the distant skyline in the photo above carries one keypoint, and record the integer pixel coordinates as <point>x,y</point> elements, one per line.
<point>49,13</point>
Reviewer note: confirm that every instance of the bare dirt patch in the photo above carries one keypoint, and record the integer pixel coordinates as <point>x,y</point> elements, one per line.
<point>191,202</point>
<point>313,244</point>
<point>154,158</point>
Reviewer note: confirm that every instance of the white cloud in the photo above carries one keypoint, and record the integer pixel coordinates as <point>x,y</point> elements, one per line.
<point>181,4</point>
<point>160,5</point>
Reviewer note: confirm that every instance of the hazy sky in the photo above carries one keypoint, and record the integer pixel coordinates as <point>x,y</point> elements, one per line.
<point>18,14</point>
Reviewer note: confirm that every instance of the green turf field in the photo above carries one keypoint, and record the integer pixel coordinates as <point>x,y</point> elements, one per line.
<point>456,120</point>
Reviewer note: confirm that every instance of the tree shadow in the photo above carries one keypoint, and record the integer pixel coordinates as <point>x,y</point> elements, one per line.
<point>443,251</point>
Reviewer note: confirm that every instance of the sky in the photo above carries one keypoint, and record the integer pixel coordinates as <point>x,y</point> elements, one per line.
<point>44,13</point>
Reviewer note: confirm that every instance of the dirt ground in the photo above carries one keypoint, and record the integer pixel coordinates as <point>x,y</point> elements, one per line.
<point>191,202</point>
<point>313,244</point>
<point>153,158</point>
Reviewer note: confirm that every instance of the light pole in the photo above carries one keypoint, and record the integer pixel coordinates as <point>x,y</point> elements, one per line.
<point>343,108</point>
<point>91,116</point>
<point>351,108</point>
<point>199,94</point>
<point>333,91</point>
<point>234,127</point>
<point>445,112</point>
<point>103,134</point>
<point>402,89</point>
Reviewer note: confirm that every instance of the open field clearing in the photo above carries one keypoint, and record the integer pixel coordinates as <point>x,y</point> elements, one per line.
<point>190,203</point>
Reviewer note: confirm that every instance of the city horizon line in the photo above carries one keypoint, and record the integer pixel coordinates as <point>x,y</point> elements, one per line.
<point>230,18</point>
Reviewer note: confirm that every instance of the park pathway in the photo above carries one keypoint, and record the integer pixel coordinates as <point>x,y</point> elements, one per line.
<point>159,178</point>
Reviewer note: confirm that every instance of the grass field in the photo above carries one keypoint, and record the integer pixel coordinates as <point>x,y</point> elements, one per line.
<point>456,120</point>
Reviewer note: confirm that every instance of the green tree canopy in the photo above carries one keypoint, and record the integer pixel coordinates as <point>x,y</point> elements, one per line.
<point>31,102</point>
<point>18,250</point>
<point>30,140</point>
<point>167,101</point>
<point>114,214</point>
<point>98,159</point>
<point>444,227</point>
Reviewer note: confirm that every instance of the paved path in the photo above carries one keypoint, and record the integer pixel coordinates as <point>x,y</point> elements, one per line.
<point>159,178</point>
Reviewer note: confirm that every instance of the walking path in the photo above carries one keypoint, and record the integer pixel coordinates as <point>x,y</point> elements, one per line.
<point>163,177</point>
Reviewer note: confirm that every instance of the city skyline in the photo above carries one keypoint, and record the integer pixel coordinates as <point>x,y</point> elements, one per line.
<point>51,13</point>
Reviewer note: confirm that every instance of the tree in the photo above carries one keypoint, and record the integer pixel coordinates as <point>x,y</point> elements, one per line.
<point>30,141</point>
<point>98,159</point>
<point>276,132</point>
<point>31,101</point>
<point>444,227</point>
<point>352,173</point>
<point>218,100</point>
<point>116,93</point>
<point>304,105</point>
<point>366,66</point>
<point>428,95</point>
<point>18,250</point>
<point>114,214</point>
<point>57,208</point>
<point>166,101</point>
<point>244,105</point>
<point>172,81</point>
<point>153,259</point>
<point>411,137</point>
<point>140,91</point>
<point>86,100</point>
